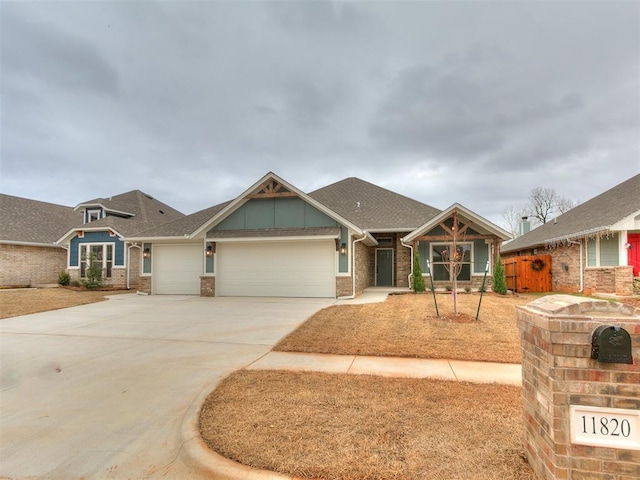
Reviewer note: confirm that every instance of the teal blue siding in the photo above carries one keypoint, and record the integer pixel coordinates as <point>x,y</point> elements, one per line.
<point>96,237</point>
<point>289,213</point>
<point>209,262</point>
<point>480,256</point>
<point>609,256</point>
<point>343,261</point>
<point>146,262</point>
<point>591,253</point>
<point>275,213</point>
<point>423,249</point>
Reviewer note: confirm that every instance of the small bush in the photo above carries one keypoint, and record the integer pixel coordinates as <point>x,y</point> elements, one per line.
<point>499,279</point>
<point>418,279</point>
<point>64,279</point>
<point>75,283</point>
<point>467,289</point>
<point>448,288</point>
<point>93,274</point>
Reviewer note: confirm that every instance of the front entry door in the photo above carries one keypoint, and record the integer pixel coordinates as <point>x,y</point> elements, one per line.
<point>633,252</point>
<point>384,267</point>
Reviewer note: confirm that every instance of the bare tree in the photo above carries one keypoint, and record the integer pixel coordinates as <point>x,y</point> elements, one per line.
<point>512,217</point>
<point>455,256</point>
<point>542,203</point>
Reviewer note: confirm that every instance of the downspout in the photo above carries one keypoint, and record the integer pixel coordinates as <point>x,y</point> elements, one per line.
<point>410,277</point>
<point>353,268</point>
<point>129,263</point>
<point>571,242</point>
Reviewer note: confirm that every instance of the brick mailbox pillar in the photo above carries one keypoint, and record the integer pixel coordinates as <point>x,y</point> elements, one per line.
<point>582,414</point>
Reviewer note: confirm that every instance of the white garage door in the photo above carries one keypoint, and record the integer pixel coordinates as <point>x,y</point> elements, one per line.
<point>177,269</point>
<point>276,269</point>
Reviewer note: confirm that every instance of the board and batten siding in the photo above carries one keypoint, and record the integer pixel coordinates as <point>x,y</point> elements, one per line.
<point>275,213</point>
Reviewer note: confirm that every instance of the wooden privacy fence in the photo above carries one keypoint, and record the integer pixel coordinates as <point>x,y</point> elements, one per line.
<point>528,273</point>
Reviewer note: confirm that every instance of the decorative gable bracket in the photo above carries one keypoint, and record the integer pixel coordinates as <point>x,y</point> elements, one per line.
<point>271,189</point>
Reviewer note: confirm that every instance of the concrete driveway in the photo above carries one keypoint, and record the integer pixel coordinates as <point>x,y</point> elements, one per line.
<point>101,390</point>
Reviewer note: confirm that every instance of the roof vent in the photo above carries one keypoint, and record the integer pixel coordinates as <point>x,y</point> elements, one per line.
<point>148,196</point>
<point>161,211</point>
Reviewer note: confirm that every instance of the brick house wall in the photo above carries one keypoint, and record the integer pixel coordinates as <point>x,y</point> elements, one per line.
<point>365,265</point>
<point>22,265</point>
<point>565,273</point>
<point>557,372</point>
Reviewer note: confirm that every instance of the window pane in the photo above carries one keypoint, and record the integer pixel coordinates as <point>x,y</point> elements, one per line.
<point>440,272</point>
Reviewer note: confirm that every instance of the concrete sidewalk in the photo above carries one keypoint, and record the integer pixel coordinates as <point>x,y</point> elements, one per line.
<point>455,370</point>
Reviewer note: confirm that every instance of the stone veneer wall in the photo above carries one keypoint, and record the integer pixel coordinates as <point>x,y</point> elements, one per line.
<point>364,267</point>
<point>207,286</point>
<point>24,265</point>
<point>144,285</point>
<point>344,286</point>
<point>557,372</point>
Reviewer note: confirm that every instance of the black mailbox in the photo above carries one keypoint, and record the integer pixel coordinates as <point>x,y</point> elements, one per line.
<point>611,344</point>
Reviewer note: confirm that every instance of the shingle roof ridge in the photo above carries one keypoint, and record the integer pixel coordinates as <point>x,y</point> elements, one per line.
<point>596,214</point>
<point>190,222</point>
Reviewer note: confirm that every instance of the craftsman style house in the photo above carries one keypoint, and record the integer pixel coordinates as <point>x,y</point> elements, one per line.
<point>275,240</point>
<point>594,247</point>
<point>38,240</point>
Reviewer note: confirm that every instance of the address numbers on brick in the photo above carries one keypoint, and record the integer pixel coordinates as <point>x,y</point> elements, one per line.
<point>605,427</point>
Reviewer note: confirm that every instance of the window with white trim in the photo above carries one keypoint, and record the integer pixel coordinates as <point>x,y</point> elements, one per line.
<point>440,253</point>
<point>93,214</point>
<point>101,253</point>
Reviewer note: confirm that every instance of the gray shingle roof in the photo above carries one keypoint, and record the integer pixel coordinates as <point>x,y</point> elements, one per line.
<point>594,215</point>
<point>30,221</point>
<point>147,212</point>
<point>182,226</point>
<point>373,208</point>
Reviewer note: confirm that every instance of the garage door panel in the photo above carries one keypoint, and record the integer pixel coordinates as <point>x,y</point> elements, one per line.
<point>278,269</point>
<point>177,269</point>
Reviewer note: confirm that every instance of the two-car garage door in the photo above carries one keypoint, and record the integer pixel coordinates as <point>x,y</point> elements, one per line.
<point>249,269</point>
<point>276,269</point>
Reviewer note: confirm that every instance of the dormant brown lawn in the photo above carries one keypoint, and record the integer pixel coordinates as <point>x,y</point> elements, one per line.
<point>351,427</point>
<point>407,326</point>
<point>24,301</point>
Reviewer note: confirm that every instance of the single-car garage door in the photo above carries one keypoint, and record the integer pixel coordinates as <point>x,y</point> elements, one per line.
<point>177,269</point>
<point>276,269</point>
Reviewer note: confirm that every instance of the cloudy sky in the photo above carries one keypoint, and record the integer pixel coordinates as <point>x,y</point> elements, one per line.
<point>475,102</point>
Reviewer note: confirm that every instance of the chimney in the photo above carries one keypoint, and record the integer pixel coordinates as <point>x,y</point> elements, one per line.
<point>525,225</point>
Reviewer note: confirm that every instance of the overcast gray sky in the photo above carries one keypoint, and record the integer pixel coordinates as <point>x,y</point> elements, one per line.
<point>475,102</point>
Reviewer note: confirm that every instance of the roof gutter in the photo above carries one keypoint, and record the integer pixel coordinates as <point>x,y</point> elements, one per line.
<point>410,277</point>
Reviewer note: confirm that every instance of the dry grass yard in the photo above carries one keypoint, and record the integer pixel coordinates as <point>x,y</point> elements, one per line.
<point>351,427</point>
<point>23,301</point>
<point>407,326</point>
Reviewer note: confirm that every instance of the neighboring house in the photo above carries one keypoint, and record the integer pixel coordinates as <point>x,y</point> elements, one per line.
<point>29,229</point>
<point>275,240</point>
<point>594,247</point>
<point>100,228</point>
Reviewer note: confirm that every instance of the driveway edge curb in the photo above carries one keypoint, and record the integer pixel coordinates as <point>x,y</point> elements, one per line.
<point>197,455</point>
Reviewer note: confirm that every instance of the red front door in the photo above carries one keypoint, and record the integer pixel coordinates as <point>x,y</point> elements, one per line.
<point>633,252</point>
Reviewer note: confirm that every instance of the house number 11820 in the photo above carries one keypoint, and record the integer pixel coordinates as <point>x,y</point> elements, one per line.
<point>606,426</point>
